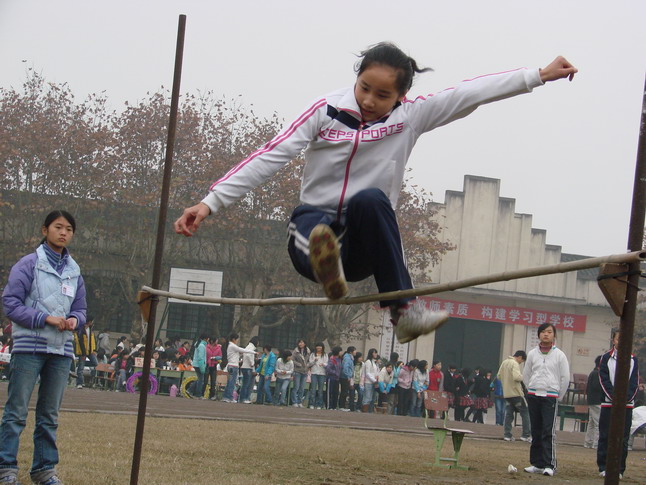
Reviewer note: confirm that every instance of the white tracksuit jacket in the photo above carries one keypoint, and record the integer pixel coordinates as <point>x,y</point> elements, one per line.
<point>546,375</point>
<point>344,155</point>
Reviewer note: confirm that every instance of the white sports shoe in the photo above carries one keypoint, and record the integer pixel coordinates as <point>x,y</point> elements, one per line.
<point>325,258</point>
<point>548,472</point>
<point>534,469</point>
<point>415,319</point>
<point>527,439</point>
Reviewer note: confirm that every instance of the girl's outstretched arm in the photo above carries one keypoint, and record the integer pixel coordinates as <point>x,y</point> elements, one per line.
<point>559,68</point>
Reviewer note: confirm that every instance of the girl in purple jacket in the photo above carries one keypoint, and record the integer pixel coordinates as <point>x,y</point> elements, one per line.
<point>333,375</point>
<point>45,299</point>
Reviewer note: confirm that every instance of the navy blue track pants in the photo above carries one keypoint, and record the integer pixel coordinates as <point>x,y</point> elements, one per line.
<point>369,237</point>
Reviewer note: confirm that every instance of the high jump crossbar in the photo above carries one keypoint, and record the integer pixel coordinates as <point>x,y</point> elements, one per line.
<point>587,263</point>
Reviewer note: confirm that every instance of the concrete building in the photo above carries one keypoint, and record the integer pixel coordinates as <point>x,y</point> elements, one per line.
<point>490,322</point>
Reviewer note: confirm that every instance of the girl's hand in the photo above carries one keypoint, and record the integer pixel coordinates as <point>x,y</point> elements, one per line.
<point>72,323</point>
<point>59,322</point>
<point>559,68</point>
<point>190,220</point>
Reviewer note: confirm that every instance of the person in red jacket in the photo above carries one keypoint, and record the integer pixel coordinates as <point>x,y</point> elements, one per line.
<point>213,358</point>
<point>436,380</point>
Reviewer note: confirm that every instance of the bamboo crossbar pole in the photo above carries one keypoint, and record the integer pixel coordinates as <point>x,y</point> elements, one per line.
<point>632,257</point>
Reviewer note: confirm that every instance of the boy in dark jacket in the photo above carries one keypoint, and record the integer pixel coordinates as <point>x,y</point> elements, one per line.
<point>607,368</point>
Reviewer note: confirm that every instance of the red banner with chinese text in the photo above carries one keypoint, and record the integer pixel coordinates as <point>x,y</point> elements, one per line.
<point>506,314</point>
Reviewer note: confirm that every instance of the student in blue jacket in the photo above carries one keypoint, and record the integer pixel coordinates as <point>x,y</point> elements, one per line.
<point>265,370</point>
<point>346,398</point>
<point>45,299</point>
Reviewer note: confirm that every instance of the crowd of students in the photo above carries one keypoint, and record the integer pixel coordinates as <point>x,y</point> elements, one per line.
<point>315,378</point>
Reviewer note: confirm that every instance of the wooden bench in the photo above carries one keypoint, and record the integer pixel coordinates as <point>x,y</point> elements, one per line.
<point>104,376</point>
<point>221,379</point>
<point>578,413</point>
<point>438,401</point>
<point>582,417</point>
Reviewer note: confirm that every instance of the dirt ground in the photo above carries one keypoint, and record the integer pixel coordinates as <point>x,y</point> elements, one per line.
<point>213,442</point>
<point>97,449</point>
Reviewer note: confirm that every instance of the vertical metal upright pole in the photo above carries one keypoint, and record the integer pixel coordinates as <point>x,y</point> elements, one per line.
<point>627,324</point>
<point>159,250</point>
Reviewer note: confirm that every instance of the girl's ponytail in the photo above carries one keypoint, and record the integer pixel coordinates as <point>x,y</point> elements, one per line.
<point>388,54</point>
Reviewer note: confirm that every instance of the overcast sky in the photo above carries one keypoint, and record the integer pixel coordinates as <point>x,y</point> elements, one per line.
<point>566,152</point>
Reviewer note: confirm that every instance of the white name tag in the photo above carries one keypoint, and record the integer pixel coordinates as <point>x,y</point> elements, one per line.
<point>67,290</point>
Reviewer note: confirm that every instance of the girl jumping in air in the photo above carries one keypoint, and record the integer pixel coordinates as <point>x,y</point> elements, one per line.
<point>357,141</point>
<point>45,299</point>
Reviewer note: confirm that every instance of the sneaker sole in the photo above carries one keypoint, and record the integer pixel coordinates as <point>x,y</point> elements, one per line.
<point>324,258</point>
<point>437,324</point>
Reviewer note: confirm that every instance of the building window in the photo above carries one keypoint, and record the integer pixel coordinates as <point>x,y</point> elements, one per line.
<point>188,321</point>
<point>286,335</point>
<point>103,290</point>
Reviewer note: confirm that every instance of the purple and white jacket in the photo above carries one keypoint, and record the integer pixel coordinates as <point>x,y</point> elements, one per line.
<point>34,291</point>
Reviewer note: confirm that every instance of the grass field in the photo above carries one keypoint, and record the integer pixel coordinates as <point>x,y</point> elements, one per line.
<point>96,448</point>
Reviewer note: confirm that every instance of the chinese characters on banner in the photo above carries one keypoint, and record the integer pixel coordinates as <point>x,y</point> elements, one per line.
<point>505,314</point>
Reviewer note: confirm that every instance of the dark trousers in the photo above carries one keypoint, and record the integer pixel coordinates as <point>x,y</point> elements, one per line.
<point>346,398</point>
<point>543,413</point>
<point>351,396</point>
<point>345,393</point>
<point>403,400</point>
<point>458,413</point>
<point>604,431</point>
<point>211,374</point>
<point>478,416</point>
<point>332,393</point>
<point>370,242</point>
<point>469,413</point>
